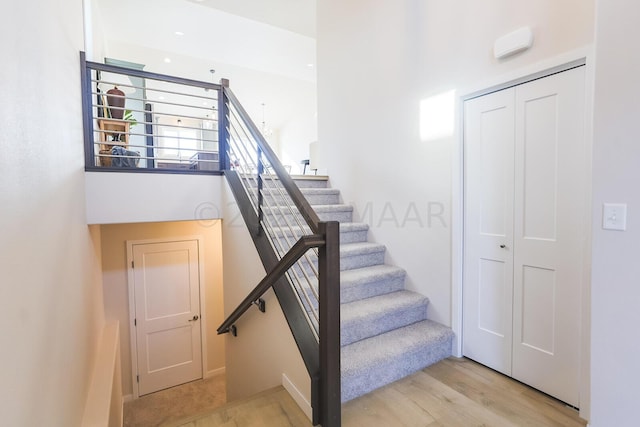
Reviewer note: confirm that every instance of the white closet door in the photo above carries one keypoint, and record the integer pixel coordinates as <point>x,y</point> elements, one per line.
<point>525,226</point>
<point>488,262</point>
<point>550,208</point>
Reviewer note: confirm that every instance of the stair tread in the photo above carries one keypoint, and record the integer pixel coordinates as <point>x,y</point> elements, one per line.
<point>377,305</point>
<point>369,352</point>
<point>359,248</point>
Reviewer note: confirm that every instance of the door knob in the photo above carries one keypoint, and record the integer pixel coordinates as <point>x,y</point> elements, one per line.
<point>196,317</point>
<point>503,246</point>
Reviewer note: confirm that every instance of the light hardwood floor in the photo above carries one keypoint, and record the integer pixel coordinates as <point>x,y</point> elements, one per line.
<point>458,392</point>
<point>453,392</point>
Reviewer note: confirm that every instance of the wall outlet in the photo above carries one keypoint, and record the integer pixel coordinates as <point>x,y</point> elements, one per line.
<point>614,216</point>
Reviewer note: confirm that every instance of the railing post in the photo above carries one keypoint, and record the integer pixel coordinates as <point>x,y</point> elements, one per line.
<point>148,129</point>
<point>223,126</point>
<point>87,116</point>
<point>329,324</point>
<point>260,184</point>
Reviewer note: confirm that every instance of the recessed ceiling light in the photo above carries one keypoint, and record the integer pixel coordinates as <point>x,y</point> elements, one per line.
<point>161,97</point>
<point>310,65</point>
<point>167,60</point>
<point>179,33</point>
<point>205,103</point>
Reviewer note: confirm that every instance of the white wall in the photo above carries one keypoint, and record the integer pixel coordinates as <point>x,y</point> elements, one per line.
<point>615,351</point>
<point>117,198</point>
<point>264,349</point>
<point>376,61</point>
<point>50,298</point>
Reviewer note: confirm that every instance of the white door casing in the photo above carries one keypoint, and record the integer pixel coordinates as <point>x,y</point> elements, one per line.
<point>542,287</point>
<point>166,312</point>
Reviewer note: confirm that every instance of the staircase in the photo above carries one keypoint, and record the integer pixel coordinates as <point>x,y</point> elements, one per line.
<point>385,334</point>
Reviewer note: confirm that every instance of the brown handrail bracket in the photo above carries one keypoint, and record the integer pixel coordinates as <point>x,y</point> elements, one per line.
<point>287,261</point>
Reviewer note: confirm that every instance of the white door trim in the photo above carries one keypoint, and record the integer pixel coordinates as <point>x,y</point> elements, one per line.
<point>553,65</point>
<point>132,309</point>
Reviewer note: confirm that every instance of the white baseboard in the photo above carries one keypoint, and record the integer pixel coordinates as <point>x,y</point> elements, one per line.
<point>299,398</point>
<point>215,372</point>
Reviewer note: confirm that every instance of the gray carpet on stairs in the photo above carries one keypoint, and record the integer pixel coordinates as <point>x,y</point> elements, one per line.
<point>385,333</point>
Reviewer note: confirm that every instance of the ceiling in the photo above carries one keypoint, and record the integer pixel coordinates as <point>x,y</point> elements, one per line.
<point>261,50</point>
<point>298,16</point>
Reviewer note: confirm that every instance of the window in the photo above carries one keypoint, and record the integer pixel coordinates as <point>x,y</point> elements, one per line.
<point>178,144</point>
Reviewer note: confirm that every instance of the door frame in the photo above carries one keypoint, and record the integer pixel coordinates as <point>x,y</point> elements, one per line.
<point>132,308</point>
<point>536,71</point>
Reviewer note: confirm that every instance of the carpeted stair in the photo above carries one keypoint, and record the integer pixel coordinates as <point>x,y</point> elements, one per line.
<point>385,334</point>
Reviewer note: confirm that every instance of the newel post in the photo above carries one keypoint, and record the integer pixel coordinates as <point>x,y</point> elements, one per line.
<point>329,309</point>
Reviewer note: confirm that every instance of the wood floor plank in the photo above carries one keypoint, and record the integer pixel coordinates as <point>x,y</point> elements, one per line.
<point>505,396</point>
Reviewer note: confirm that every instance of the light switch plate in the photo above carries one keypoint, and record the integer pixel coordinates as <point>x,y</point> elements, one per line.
<point>614,216</point>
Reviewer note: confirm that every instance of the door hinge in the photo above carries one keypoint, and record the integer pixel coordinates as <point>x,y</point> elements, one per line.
<point>137,378</point>
<point>132,265</point>
<point>135,322</point>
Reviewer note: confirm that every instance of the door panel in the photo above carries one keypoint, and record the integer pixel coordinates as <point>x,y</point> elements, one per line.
<point>538,296</point>
<point>550,177</point>
<point>167,306</point>
<point>540,166</point>
<point>488,270</point>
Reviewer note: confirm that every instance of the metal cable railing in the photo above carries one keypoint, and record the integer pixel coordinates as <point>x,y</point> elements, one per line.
<point>140,121</point>
<point>280,219</point>
<point>300,253</point>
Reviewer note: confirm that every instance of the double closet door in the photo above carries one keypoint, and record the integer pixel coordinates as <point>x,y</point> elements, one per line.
<point>525,229</point>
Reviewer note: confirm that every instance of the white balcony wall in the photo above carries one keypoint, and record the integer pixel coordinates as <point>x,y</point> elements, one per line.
<point>113,198</point>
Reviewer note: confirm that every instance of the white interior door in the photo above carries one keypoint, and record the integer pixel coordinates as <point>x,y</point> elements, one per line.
<point>167,314</point>
<point>488,273</point>
<point>550,207</point>
<point>541,203</point>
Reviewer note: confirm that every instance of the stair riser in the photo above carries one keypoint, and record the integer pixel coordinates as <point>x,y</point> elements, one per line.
<point>274,199</point>
<point>313,199</point>
<point>371,289</point>
<point>370,326</point>
<point>353,236</point>
<point>311,183</point>
<point>301,183</point>
<point>345,237</point>
<point>347,262</point>
<point>286,219</point>
<point>340,216</point>
<point>357,292</point>
<point>361,260</point>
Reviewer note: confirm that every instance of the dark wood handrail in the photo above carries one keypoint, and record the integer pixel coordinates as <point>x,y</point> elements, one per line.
<point>299,200</point>
<point>153,76</point>
<point>290,258</point>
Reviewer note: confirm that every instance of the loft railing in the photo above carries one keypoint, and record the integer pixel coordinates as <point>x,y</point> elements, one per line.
<point>298,250</point>
<point>136,121</point>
